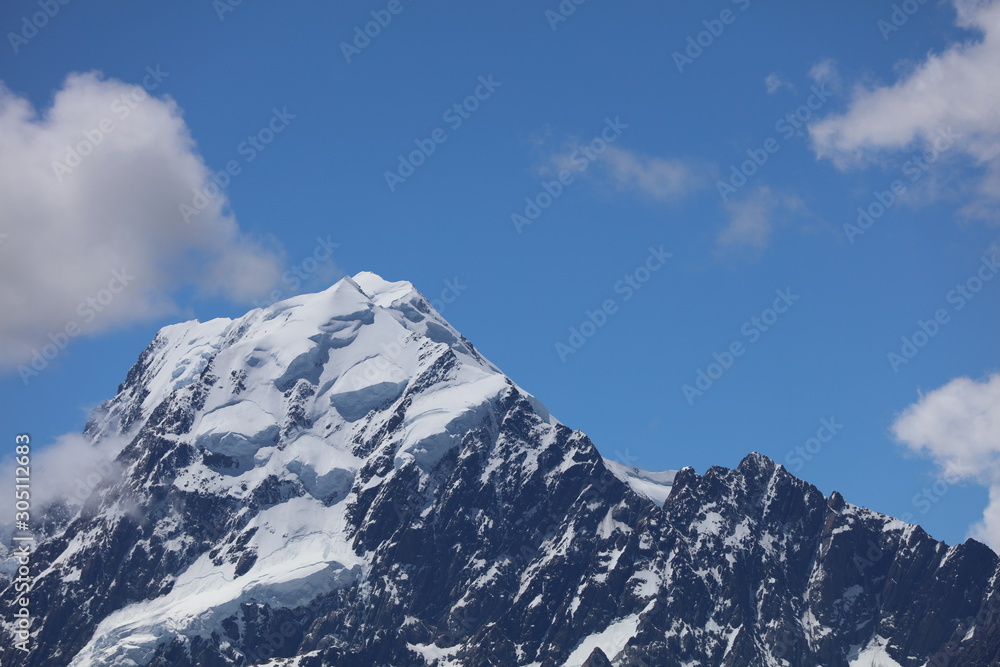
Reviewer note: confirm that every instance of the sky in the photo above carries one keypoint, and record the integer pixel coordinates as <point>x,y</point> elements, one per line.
<point>692,231</point>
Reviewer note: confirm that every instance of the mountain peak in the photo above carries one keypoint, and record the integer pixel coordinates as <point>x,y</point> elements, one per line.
<point>380,290</point>
<point>343,471</point>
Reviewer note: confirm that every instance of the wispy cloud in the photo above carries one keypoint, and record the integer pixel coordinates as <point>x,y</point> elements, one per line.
<point>604,161</point>
<point>753,219</point>
<point>826,73</point>
<point>774,82</point>
<point>658,178</point>
<point>630,172</point>
<point>67,471</point>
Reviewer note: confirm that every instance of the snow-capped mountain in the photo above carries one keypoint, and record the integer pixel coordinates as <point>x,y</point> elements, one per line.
<point>342,479</point>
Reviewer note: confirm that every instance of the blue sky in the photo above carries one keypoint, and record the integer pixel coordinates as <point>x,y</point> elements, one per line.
<point>740,138</point>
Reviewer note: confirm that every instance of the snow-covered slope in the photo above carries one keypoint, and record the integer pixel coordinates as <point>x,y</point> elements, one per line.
<point>653,485</point>
<point>342,479</point>
<point>295,388</point>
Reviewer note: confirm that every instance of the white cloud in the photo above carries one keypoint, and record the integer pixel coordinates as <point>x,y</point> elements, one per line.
<point>825,72</point>
<point>774,82</point>
<point>68,470</point>
<point>752,220</point>
<point>987,530</point>
<point>661,179</point>
<point>958,427</point>
<point>958,88</point>
<point>67,231</point>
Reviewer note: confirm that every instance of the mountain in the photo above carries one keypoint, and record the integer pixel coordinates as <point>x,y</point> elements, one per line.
<point>342,479</point>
